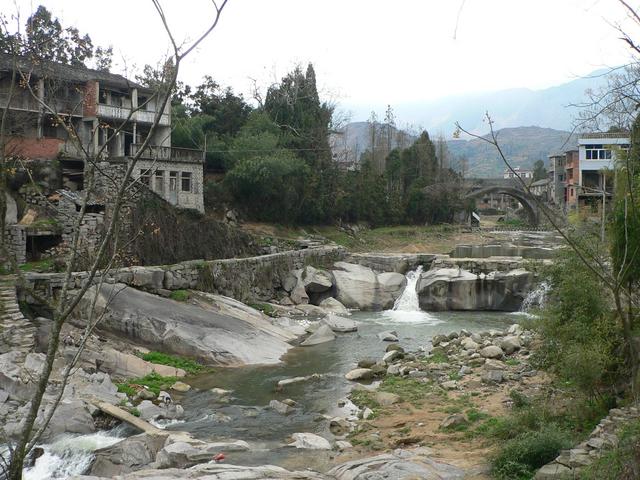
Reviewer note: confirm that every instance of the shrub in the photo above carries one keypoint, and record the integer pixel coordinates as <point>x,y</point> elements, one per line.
<point>153,381</point>
<point>621,463</point>
<point>524,454</point>
<point>180,295</point>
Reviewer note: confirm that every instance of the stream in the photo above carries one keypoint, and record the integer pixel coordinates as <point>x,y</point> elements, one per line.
<point>244,414</point>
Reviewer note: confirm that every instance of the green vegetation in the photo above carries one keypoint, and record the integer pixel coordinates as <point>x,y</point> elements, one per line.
<point>152,381</point>
<point>620,463</point>
<point>409,389</point>
<point>42,266</point>
<point>364,399</point>
<point>436,357</point>
<point>180,295</point>
<point>134,411</point>
<point>264,308</point>
<point>185,364</point>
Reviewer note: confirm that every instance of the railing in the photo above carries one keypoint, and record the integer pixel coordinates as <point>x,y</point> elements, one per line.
<point>620,135</point>
<point>122,113</point>
<point>19,101</point>
<point>168,154</point>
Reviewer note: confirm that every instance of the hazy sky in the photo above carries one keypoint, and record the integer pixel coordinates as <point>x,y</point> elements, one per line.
<point>365,51</point>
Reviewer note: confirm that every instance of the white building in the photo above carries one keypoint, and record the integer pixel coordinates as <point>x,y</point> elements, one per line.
<point>597,153</point>
<point>523,174</point>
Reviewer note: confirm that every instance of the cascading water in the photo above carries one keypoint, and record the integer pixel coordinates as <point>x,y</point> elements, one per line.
<point>407,307</point>
<point>535,299</point>
<point>70,455</point>
<point>408,301</point>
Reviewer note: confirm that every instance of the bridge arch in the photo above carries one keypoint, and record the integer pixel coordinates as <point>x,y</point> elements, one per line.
<point>528,204</point>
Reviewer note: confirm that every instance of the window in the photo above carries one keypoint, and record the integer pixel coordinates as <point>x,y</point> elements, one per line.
<point>597,152</point>
<point>173,181</point>
<point>186,181</point>
<point>145,176</point>
<point>159,183</point>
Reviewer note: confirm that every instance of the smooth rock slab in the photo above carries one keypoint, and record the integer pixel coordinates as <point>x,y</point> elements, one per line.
<point>339,324</point>
<point>553,471</point>
<point>401,465</point>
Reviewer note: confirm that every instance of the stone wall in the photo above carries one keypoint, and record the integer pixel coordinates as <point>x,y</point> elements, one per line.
<point>604,437</point>
<point>16,238</point>
<point>241,278</point>
<point>484,265</point>
<point>392,262</point>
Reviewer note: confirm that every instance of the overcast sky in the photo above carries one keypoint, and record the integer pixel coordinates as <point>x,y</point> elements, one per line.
<point>365,51</point>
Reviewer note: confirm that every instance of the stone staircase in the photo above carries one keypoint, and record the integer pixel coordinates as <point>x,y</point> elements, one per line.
<point>16,332</point>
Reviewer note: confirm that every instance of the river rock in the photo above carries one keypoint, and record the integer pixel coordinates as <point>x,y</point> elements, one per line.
<point>197,331</point>
<point>343,445</point>
<point>186,452</point>
<point>388,336</point>
<point>340,426</point>
<point>310,441</point>
<point>280,407</point>
<point>453,421</point>
<point>492,376</point>
<point>130,454</point>
<point>391,356</point>
<point>316,281</point>
<point>392,285</point>
<point>180,387</point>
<point>510,344</point>
<point>339,324</point>
<point>458,289</point>
<point>332,305</point>
<point>387,398</point>
<point>71,416</point>
<point>359,374</point>
<point>322,335</point>
<point>492,351</point>
<point>553,471</point>
<point>468,344</point>
<point>367,363</point>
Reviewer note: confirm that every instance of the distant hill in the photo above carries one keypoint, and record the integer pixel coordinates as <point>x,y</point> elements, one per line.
<point>523,146</point>
<point>549,108</point>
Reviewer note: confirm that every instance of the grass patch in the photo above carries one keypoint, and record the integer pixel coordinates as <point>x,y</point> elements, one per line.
<point>264,308</point>
<point>43,266</point>
<point>364,399</point>
<point>186,364</point>
<point>455,376</point>
<point>474,415</point>
<point>180,295</point>
<point>512,362</point>
<point>436,357</point>
<point>620,463</point>
<point>152,381</point>
<point>409,389</point>
<point>135,412</point>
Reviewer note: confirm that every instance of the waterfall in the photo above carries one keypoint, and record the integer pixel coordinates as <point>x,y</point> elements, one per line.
<point>408,301</point>
<point>536,298</point>
<point>70,455</point>
<point>406,308</point>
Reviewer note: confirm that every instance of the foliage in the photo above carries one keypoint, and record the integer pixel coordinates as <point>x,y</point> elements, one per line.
<point>45,38</point>
<point>271,187</point>
<point>264,308</point>
<point>522,456</point>
<point>180,295</point>
<point>580,339</point>
<point>539,171</point>
<point>185,364</point>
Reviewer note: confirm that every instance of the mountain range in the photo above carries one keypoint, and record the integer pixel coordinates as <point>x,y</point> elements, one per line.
<point>531,124</point>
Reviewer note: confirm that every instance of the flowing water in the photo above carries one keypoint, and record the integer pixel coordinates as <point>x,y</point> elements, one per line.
<point>244,415</point>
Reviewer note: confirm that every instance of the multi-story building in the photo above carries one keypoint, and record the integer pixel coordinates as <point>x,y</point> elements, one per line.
<point>522,173</point>
<point>110,116</point>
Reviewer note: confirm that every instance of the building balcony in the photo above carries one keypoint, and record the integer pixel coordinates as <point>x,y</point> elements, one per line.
<point>19,101</point>
<point>122,113</point>
<point>168,154</point>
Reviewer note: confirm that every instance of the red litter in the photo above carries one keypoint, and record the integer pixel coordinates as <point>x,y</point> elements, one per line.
<point>219,458</point>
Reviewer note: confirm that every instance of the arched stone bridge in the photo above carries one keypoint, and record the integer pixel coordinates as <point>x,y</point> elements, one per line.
<point>528,204</point>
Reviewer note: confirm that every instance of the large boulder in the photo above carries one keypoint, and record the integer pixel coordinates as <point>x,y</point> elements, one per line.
<point>360,287</point>
<point>339,324</point>
<point>131,454</point>
<point>198,331</point>
<point>316,281</point>
<point>458,289</point>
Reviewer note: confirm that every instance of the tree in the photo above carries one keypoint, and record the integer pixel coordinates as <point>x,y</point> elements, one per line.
<point>102,260</point>
<point>539,171</point>
<point>45,38</point>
